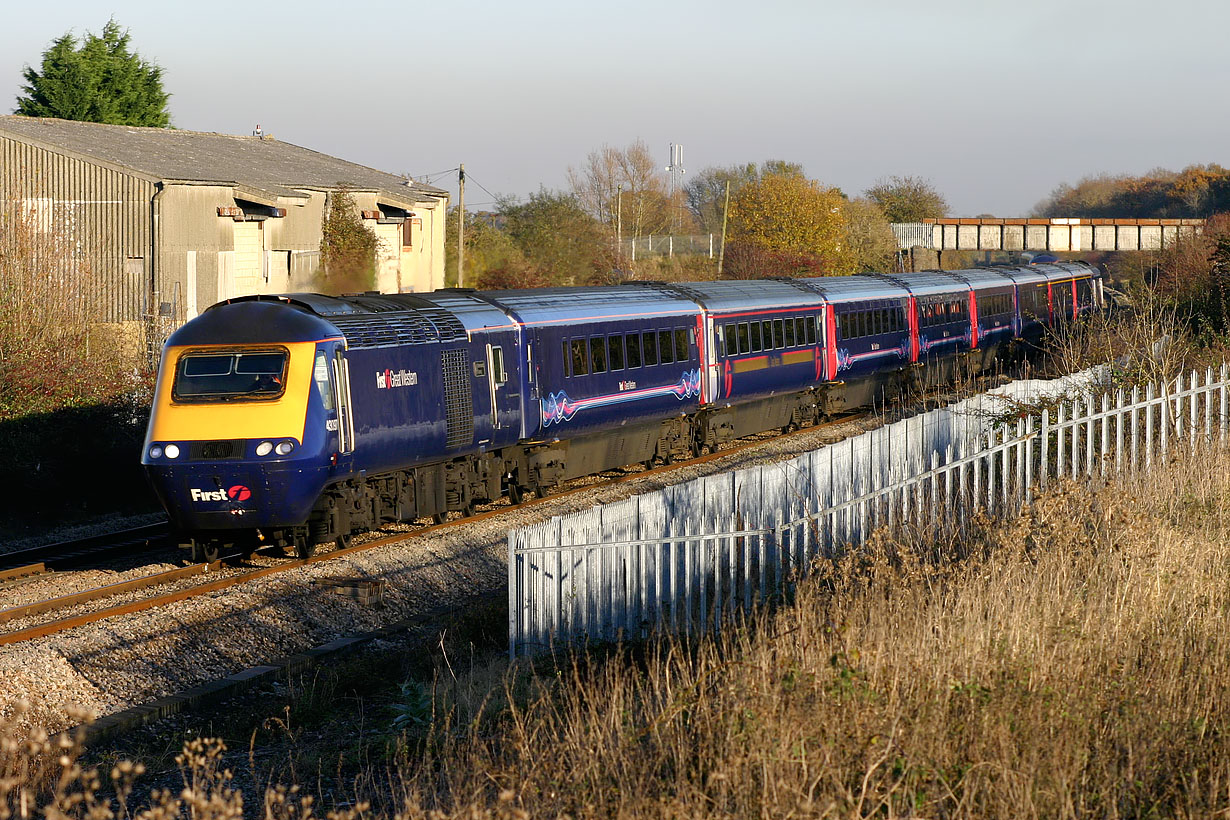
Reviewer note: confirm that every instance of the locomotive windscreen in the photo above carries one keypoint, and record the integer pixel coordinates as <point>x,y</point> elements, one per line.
<point>237,376</point>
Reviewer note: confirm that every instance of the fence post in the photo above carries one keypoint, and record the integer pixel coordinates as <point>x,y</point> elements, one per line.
<point>1222,419</point>
<point>1191,408</point>
<point>948,500</point>
<point>1029,457</point>
<point>1105,448</point>
<point>1006,469</point>
<point>1059,444</point>
<point>1165,420</point>
<point>1208,406</point>
<point>1044,465</point>
<point>1090,433</point>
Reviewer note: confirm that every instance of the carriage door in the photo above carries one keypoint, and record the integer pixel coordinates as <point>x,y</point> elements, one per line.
<point>497,377</point>
<point>709,363</point>
<point>341,387</point>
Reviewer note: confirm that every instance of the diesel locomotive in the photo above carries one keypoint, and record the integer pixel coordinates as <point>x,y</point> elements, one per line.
<point>298,419</point>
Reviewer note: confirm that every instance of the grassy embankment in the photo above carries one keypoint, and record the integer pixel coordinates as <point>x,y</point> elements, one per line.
<point>1071,661</point>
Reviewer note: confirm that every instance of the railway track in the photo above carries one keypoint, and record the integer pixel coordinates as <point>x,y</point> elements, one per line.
<point>152,582</point>
<point>82,551</point>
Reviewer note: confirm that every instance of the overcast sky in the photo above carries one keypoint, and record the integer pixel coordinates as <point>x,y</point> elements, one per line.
<point>995,102</point>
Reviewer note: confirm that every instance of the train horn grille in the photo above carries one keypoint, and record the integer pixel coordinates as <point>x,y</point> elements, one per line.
<point>215,450</point>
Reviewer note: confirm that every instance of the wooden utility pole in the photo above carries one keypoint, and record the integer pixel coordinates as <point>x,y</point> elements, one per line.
<point>461,226</point>
<point>619,220</point>
<point>725,212</point>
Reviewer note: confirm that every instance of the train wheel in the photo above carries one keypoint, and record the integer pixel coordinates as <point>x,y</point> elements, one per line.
<point>516,493</point>
<point>344,541</point>
<point>439,518</point>
<point>305,547</point>
<point>205,551</point>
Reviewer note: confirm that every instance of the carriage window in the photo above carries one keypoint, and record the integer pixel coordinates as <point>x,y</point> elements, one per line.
<point>320,375</point>
<point>230,376</point>
<point>682,354</point>
<point>615,351</point>
<point>745,344</point>
<point>597,349</point>
<point>789,332</point>
<point>810,326</point>
<point>634,350</point>
<point>732,340</point>
<point>497,365</point>
<point>800,332</point>
<point>651,347</point>
<point>754,327</point>
<point>779,334</point>
<point>580,358</point>
<point>565,359</point>
<point>665,347</point>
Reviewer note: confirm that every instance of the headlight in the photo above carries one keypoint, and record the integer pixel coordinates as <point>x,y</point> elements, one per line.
<point>155,452</point>
<point>284,447</point>
<point>264,448</point>
<point>171,450</point>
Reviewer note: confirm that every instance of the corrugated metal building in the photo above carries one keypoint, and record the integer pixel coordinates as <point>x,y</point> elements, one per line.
<point>173,221</point>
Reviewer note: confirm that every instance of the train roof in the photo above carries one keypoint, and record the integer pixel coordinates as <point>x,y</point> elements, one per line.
<point>852,288</point>
<point>736,294</point>
<point>981,278</point>
<point>263,321</point>
<point>1022,274</point>
<point>547,306</point>
<point>368,319</point>
<point>1064,270</point>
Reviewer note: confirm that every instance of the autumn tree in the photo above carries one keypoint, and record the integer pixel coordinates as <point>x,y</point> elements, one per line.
<point>869,236</point>
<point>624,185</point>
<point>1197,191</point>
<point>907,199</point>
<point>793,217</point>
<point>560,239</point>
<point>99,79</point>
<point>347,248</point>
<point>705,193</point>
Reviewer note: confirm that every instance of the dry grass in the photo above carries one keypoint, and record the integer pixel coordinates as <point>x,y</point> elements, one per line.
<point>1071,662</point>
<point>54,351</point>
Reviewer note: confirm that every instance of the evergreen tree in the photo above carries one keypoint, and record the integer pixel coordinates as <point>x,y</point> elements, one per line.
<point>98,80</point>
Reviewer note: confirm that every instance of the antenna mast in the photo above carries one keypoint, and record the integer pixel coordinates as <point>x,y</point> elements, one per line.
<point>675,172</point>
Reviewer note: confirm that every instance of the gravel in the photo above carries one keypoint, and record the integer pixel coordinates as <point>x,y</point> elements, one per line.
<point>124,661</point>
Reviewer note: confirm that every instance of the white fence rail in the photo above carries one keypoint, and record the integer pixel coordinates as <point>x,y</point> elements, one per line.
<point>689,557</point>
<point>669,245</point>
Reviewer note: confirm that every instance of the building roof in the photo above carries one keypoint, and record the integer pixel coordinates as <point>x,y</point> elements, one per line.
<point>262,164</point>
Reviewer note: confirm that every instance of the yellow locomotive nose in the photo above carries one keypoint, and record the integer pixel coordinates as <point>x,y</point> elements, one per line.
<point>216,392</point>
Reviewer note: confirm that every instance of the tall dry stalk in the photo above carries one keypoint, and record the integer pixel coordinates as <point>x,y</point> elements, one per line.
<point>54,351</point>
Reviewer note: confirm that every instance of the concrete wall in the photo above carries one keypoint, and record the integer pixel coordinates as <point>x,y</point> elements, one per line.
<point>1069,235</point>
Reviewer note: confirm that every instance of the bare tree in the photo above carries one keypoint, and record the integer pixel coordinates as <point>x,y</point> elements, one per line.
<point>644,205</point>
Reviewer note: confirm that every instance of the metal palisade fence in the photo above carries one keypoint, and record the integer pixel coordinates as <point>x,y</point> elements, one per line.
<point>688,558</point>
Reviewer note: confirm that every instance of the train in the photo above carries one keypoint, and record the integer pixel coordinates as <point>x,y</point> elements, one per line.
<point>295,420</point>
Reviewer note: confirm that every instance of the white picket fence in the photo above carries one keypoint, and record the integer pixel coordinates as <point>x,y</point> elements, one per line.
<point>689,557</point>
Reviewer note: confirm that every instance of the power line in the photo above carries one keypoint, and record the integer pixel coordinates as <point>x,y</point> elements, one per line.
<point>434,173</point>
<point>470,178</point>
